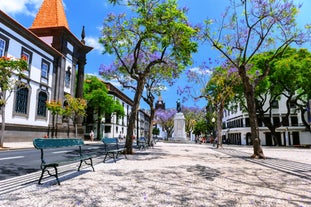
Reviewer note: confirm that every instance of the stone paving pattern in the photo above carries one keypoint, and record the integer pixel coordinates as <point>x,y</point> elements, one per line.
<point>172,174</point>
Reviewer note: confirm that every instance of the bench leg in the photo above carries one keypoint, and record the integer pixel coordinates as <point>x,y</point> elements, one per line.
<point>125,154</point>
<point>42,172</point>
<point>55,175</point>
<point>120,152</point>
<point>91,164</point>
<point>80,165</point>
<point>105,156</point>
<point>115,156</point>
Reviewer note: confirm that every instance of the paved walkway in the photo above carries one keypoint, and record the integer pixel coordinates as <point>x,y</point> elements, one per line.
<point>25,145</point>
<point>180,175</point>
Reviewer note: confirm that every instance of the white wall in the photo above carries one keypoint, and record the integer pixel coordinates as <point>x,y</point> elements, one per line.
<point>14,50</point>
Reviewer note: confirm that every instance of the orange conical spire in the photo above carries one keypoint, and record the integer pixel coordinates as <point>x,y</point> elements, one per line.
<point>51,14</point>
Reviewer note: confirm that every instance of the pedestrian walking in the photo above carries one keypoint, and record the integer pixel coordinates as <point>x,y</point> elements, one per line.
<point>92,135</point>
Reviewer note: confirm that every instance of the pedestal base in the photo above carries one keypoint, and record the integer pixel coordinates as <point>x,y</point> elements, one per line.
<point>179,128</point>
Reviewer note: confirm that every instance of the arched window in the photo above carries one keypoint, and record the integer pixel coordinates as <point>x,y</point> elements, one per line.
<point>21,101</point>
<point>68,77</point>
<point>41,110</point>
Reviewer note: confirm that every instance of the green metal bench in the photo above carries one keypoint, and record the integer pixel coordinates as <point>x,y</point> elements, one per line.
<point>112,148</point>
<point>43,144</point>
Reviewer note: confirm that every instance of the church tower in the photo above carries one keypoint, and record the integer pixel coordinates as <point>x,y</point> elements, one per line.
<point>51,26</point>
<point>160,104</point>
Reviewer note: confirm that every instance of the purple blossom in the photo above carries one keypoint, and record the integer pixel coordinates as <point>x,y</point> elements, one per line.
<point>232,70</point>
<point>165,115</point>
<point>107,69</point>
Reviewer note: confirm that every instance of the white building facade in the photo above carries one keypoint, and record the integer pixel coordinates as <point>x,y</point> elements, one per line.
<point>54,57</point>
<point>236,127</point>
<point>112,126</point>
<point>25,109</point>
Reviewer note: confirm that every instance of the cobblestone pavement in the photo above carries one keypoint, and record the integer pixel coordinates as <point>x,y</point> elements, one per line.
<point>178,175</point>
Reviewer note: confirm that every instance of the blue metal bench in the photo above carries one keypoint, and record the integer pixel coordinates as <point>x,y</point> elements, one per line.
<point>113,149</point>
<point>44,144</point>
<point>142,143</point>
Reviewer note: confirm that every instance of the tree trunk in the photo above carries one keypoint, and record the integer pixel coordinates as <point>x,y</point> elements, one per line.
<point>53,126</point>
<point>56,126</point>
<point>76,130</point>
<point>219,125</point>
<point>131,124</point>
<point>2,125</point>
<point>249,93</point>
<point>68,129</point>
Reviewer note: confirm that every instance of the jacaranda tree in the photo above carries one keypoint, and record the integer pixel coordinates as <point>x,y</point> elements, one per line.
<point>155,38</point>
<point>246,28</point>
<point>165,118</point>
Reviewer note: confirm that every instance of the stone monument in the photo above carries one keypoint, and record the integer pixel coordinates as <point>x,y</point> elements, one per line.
<point>179,125</point>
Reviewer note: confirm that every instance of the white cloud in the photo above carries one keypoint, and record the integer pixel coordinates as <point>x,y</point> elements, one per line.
<point>200,71</point>
<point>93,42</point>
<point>28,7</point>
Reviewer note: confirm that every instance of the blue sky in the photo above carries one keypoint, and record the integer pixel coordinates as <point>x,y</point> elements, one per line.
<point>91,15</point>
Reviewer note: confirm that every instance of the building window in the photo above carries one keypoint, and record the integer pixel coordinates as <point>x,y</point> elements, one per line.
<point>285,121</point>
<point>45,68</point>
<point>275,104</point>
<point>2,47</point>
<point>108,119</point>
<point>4,44</point>
<point>107,129</point>
<point>67,77</point>
<point>247,124</point>
<point>41,110</point>
<point>294,120</point>
<point>21,101</point>
<point>27,55</point>
<point>276,121</point>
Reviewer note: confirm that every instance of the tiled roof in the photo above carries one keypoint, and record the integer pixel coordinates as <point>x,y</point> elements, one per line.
<point>51,14</point>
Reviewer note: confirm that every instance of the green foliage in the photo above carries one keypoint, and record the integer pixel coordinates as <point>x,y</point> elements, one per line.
<point>155,34</point>
<point>8,68</point>
<point>74,107</point>
<point>201,127</point>
<point>96,94</point>
<point>54,106</point>
<point>290,75</point>
<point>221,87</point>
<point>192,115</point>
<point>118,109</point>
<point>156,131</point>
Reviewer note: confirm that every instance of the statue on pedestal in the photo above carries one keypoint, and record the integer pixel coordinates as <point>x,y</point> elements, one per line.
<point>179,125</point>
<point>178,107</point>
